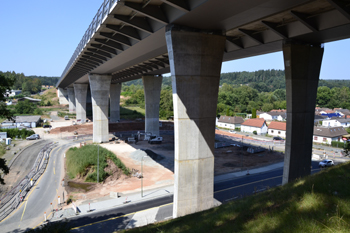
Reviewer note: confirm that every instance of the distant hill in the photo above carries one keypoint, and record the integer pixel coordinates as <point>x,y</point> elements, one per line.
<point>261,80</point>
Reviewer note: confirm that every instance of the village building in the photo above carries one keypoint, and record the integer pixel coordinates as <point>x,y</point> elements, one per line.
<point>328,134</point>
<point>21,122</point>
<point>230,122</point>
<point>257,124</point>
<point>277,129</point>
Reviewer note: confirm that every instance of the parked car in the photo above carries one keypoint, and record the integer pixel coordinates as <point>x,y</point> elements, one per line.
<point>47,126</point>
<point>326,163</point>
<point>66,117</point>
<point>33,137</point>
<point>277,138</point>
<point>232,131</point>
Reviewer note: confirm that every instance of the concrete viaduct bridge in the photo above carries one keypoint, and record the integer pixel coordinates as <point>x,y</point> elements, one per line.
<point>134,39</point>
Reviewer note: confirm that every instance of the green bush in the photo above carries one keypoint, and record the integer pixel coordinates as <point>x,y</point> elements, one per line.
<point>23,133</point>
<point>254,132</point>
<point>84,160</point>
<point>337,144</point>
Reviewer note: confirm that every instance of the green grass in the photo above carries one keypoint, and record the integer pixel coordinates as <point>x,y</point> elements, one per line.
<point>131,112</point>
<point>2,149</point>
<point>318,203</point>
<point>83,161</point>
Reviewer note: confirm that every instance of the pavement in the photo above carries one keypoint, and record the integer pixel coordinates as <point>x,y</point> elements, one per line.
<point>127,198</point>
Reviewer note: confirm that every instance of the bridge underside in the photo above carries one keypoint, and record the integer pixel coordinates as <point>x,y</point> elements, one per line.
<point>191,39</point>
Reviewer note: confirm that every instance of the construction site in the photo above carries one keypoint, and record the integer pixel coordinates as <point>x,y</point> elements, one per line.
<point>154,162</point>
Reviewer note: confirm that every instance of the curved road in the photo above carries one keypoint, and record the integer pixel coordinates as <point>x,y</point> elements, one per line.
<point>22,165</point>
<point>30,213</point>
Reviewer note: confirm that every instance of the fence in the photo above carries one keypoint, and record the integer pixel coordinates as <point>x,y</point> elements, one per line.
<point>16,195</point>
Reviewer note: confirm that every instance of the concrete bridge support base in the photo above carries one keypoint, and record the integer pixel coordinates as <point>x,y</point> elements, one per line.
<point>100,86</point>
<point>195,63</point>
<point>115,102</point>
<point>152,86</point>
<point>80,91</point>
<point>71,99</point>
<point>302,69</point>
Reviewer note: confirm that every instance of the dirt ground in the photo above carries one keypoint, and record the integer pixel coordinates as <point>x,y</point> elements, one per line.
<point>156,174</point>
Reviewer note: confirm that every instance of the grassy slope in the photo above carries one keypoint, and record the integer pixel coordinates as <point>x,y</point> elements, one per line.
<point>79,159</point>
<point>318,203</point>
<point>131,112</point>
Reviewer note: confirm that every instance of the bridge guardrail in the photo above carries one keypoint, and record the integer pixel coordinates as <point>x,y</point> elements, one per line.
<point>102,12</point>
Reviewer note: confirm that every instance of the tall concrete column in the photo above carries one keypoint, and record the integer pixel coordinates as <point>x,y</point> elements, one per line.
<point>80,91</point>
<point>152,86</point>
<point>100,86</point>
<point>195,63</point>
<point>302,69</point>
<point>62,96</point>
<point>71,99</point>
<point>115,102</point>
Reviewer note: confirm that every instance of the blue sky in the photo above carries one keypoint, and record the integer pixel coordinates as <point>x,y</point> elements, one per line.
<point>38,37</point>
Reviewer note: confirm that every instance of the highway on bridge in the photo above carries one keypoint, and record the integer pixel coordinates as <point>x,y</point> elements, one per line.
<point>121,217</point>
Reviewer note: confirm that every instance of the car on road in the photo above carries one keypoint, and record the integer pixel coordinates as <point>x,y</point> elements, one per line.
<point>33,137</point>
<point>232,131</point>
<point>326,163</point>
<point>277,138</point>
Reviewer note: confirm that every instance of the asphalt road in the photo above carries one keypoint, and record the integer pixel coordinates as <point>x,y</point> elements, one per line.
<point>22,165</point>
<point>31,212</point>
<point>119,218</point>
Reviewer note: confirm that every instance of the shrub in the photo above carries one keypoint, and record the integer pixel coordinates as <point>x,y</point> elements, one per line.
<point>12,133</point>
<point>337,144</point>
<point>254,132</point>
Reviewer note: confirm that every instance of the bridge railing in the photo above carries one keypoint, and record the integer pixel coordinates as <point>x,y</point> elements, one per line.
<point>102,12</point>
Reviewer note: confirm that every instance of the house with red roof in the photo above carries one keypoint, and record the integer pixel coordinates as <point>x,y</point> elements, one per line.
<point>257,124</point>
<point>277,128</point>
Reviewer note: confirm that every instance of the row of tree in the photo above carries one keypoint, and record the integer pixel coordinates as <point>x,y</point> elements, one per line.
<point>29,84</point>
<point>241,92</point>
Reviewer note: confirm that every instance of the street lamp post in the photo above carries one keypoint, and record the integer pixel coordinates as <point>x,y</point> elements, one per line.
<point>242,154</point>
<point>98,161</point>
<point>142,175</point>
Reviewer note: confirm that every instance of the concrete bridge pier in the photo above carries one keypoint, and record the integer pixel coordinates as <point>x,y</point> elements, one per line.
<point>71,99</point>
<point>195,62</point>
<point>80,91</point>
<point>115,102</point>
<point>302,69</point>
<point>62,96</point>
<point>152,86</point>
<point>100,86</point>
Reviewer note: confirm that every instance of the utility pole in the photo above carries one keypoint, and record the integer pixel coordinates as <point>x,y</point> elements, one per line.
<point>98,161</point>
<point>142,175</point>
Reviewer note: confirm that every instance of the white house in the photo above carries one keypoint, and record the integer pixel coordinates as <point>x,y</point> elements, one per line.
<point>257,124</point>
<point>13,93</point>
<point>277,129</point>
<point>270,116</point>
<point>21,122</point>
<point>328,134</point>
<point>336,122</point>
<point>230,122</point>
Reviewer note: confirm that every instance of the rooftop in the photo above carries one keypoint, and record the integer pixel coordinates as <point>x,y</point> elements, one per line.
<point>257,122</point>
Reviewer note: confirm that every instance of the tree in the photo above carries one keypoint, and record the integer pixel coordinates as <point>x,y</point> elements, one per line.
<point>5,85</point>
<point>253,113</point>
